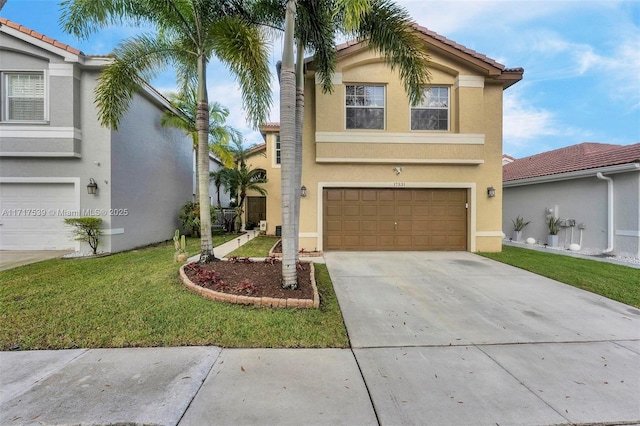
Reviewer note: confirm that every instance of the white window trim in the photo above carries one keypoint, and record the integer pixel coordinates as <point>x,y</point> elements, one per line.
<point>274,162</point>
<point>5,94</point>
<point>384,108</point>
<point>448,112</point>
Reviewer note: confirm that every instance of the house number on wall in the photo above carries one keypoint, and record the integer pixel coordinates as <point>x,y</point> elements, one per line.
<point>398,184</point>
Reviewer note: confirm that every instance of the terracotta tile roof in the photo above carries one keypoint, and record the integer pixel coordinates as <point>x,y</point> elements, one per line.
<point>273,125</point>
<point>450,43</point>
<point>583,156</point>
<point>463,49</point>
<point>35,34</point>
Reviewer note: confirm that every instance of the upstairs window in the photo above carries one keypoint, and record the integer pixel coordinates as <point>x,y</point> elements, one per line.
<point>432,113</point>
<point>277,150</point>
<point>24,97</point>
<point>365,107</point>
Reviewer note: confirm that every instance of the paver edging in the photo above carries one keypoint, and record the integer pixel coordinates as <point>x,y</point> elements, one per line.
<point>278,255</point>
<point>268,302</point>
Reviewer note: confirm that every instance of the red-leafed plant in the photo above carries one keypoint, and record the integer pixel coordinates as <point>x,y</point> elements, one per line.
<point>246,287</point>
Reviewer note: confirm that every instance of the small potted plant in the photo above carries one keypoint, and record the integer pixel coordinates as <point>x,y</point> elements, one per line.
<point>553,226</point>
<point>180,244</point>
<point>518,226</point>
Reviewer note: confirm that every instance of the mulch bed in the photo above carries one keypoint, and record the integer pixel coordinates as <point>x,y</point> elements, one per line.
<point>256,279</point>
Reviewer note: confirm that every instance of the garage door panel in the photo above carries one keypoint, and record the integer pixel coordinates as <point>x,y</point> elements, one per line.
<point>351,195</point>
<point>351,210</point>
<point>333,194</point>
<point>403,210</point>
<point>369,225</point>
<point>403,241</point>
<point>386,211</point>
<point>333,210</point>
<point>334,226</point>
<point>395,219</point>
<point>369,195</point>
<point>369,241</point>
<point>403,225</point>
<point>403,195</point>
<point>351,226</point>
<point>421,225</point>
<point>369,210</point>
<point>386,195</point>
<point>386,226</point>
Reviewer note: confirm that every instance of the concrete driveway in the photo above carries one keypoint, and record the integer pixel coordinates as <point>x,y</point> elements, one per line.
<point>10,259</point>
<point>454,338</point>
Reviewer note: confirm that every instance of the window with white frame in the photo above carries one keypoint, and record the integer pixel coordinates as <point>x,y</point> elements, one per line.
<point>432,113</point>
<point>364,107</point>
<point>24,96</point>
<point>276,150</point>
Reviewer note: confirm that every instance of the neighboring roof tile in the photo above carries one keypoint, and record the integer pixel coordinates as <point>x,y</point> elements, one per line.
<point>583,156</point>
<point>35,34</point>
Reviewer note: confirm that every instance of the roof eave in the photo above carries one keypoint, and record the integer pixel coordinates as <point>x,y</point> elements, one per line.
<point>619,168</point>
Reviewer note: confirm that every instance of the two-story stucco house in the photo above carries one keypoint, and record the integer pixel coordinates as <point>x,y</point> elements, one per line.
<point>380,174</point>
<point>53,150</point>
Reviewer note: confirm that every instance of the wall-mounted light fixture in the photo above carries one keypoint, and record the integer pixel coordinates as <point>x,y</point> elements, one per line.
<point>491,192</point>
<point>92,187</point>
<point>397,170</point>
<point>303,191</point>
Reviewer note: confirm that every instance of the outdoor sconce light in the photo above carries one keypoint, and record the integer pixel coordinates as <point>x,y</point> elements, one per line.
<point>92,188</point>
<point>491,192</point>
<point>303,191</point>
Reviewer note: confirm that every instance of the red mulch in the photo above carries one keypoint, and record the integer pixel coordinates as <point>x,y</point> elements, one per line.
<point>258,279</point>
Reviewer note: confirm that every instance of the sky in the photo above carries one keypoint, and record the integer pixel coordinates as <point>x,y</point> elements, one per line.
<point>581,63</point>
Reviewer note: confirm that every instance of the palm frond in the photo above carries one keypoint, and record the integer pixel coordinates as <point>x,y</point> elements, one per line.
<point>243,49</point>
<point>137,60</point>
<point>389,30</point>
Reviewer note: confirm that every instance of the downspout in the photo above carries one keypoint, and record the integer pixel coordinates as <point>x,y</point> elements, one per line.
<point>609,211</point>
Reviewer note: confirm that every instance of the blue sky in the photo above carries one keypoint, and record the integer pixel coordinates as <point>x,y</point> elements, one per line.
<point>581,61</point>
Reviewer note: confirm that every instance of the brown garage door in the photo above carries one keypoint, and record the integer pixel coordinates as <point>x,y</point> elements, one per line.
<point>394,219</point>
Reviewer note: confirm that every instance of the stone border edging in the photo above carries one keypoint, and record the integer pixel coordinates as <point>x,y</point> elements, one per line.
<point>270,302</point>
<point>303,254</point>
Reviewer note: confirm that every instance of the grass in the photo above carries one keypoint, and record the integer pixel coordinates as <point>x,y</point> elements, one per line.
<point>258,247</point>
<point>617,282</point>
<point>135,299</point>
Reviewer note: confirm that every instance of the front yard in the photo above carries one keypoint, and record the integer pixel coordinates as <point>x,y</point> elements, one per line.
<point>621,283</point>
<point>135,299</point>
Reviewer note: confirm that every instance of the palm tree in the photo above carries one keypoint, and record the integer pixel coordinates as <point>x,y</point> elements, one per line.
<point>243,179</point>
<point>188,33</point>
<point>219,178</point>
<point>219,132</point>
<point>314,24</point>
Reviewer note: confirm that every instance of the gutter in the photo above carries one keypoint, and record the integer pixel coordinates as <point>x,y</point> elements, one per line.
<point>609,181</point>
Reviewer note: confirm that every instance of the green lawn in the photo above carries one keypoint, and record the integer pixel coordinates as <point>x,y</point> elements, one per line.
<point>258,247</point>
<point>135,299</point>
<point>621,283</point>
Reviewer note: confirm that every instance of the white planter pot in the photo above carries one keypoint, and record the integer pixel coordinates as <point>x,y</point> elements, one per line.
<point>516,236</point>
<point>552,240</point>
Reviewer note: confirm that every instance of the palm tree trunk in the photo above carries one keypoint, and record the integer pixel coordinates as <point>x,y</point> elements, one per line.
<point>287,148</point>
<point>195,152</point>
<point>298,145</point>
<point>202,127</point>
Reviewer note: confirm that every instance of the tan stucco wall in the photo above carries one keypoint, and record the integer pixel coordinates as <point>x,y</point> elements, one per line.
<point>441,160</point>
